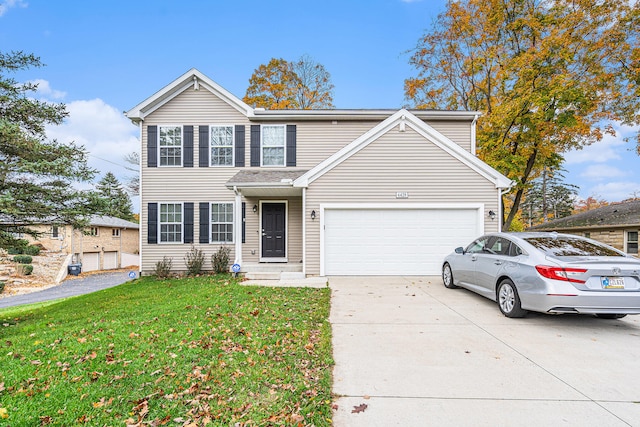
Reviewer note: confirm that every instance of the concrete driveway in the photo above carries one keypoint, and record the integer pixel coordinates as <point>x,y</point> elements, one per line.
<point>418,354</point>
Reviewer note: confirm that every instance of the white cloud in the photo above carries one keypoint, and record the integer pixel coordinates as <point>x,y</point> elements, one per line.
<point>8,4</point>
<point>45,90</point>
<point>600,172</point>
<point>609,148</point>
<point>104,132</point>
<point>616,191</point>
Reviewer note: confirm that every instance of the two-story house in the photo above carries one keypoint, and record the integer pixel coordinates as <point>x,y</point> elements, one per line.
<point>314,192</point>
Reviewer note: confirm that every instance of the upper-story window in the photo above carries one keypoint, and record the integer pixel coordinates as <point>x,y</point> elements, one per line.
<point>170,222</point>
<point>93,231</point>
<point>115,232</point>
<point>273,145</point>
<point>170,144</point>
<point>221,145</point>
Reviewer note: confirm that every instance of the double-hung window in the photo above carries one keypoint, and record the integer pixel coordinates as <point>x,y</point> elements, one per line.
<point>170,145</point>
<point>632,242</point>
<point>221,145</point>
<point>221,222</point>
<point>170,222</point>
<point>273,145</point>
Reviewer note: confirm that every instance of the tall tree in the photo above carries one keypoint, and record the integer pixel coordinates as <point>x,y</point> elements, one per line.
<point>548,198</point>
<point>282,85</point>
<point>116,200</point>
<point>591,202</point>
<point>37,176</point>
<point>133,183</point>
<point>548,75</point>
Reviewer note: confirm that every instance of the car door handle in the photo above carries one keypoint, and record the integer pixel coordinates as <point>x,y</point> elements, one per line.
<point>498,262</point>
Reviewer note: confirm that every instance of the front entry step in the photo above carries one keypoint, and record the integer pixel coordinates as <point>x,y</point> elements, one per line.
<point>267,271</point>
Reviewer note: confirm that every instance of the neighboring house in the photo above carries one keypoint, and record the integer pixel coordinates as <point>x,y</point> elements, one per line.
<point>616,225</point>
<point>108,243</point>
<point>310,192</point>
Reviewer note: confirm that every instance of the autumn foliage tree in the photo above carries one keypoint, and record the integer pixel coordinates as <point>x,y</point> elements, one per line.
<point>282,85</point>
<point>548,76</point>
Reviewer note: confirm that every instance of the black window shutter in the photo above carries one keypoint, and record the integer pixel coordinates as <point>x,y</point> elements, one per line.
<point>255,145</point>
<point>152,223</point>
<point>239,146</point>
<point>152,146</point>
<point>291,145</point>
<point>188,222</point>
<point>187,147</point>
<point>203,144</point>
<point>244,222</point>
<point>204,222</point>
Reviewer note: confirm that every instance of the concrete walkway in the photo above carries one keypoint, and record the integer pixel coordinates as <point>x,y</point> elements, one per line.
<point>418,354</point>
<point>72,286</point>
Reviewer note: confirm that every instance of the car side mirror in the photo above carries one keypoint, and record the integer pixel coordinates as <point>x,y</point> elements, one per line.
<point>460,250</point>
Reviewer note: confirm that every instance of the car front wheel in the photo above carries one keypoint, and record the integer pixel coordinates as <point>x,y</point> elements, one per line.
<point>509,300</point>
<point>447,276</point>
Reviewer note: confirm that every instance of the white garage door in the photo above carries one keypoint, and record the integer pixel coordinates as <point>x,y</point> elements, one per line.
<point>110,260</point>
<point>394,241</point>
<point>90,261</point>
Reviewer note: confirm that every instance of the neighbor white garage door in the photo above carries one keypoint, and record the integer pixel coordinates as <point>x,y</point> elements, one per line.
<point>394,241</point>
<point>90,261</point>
<point>110,260</point>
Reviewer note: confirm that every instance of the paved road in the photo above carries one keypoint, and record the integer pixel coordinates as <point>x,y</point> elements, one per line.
<point>70,287</point>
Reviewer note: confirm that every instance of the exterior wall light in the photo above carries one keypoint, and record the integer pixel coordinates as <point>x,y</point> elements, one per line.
<point>313,215</point>
<point>255,208</point>
<point>492,215</point>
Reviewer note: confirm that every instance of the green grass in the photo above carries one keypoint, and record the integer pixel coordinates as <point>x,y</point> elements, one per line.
<point>193,351</point>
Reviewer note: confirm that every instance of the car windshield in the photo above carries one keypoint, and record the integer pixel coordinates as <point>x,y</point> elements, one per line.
<point>569,246</point>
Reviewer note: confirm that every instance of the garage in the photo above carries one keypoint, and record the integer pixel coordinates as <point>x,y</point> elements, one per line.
<point>110,260</point>
<point>90,261</point>
<point>406,241</point>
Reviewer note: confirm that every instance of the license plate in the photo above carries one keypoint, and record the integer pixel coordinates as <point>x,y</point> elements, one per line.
<point>612,282</point>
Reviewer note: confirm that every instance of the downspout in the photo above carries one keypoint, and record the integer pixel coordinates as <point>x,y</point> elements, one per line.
<point>140,204</point>
<point>473,134</point>
<point>501,213</point>
<point>238,226</point>
<point>304,231</point>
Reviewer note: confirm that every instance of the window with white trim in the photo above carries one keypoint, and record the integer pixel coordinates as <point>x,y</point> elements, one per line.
<point>632,242</point>
<point>170,145</point>
<point>272,145</point>
<point>170,222</point>
<point>115,232</point>
<point>93,231</point>
<point>221,145</point>
<point>221,222</point>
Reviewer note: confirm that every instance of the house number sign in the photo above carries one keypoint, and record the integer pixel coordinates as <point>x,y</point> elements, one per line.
<point>402,195</point>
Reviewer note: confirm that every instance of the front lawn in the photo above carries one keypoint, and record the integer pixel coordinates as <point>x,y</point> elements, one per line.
<point>192,351</point>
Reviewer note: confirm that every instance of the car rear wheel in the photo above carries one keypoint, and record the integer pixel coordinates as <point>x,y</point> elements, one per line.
<point>447,276</point>
<point>610,316</point>
<point>509,300</point>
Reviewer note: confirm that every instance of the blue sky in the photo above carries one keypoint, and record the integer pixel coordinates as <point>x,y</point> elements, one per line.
<point>104,57</point>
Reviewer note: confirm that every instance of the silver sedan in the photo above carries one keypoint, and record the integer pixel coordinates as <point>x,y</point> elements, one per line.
<point>548,273</point>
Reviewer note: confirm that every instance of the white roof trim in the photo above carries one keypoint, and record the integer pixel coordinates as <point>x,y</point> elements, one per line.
<point>191,79</point>
<point>428,132</point>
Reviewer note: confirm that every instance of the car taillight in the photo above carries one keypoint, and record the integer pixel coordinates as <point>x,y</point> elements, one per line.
<point>559,273</point>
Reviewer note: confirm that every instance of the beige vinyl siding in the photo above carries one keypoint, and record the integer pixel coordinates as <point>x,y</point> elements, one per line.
<point>317,141</point>
<point>397,161</point>
<point>180,184</point>
<point>457,131</point>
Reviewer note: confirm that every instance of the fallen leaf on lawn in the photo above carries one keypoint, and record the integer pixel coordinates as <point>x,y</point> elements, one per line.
<point>82,340</point>
<point>359,408</point>
<point>3,413</point>
<point>36,362</point>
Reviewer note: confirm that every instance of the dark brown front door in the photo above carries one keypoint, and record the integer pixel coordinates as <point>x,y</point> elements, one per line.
<point>273,230</point>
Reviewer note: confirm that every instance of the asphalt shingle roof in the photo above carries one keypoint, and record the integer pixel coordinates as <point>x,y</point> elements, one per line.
<point>619,214</point>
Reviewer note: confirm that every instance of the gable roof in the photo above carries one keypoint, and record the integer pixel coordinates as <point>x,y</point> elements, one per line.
<point>191,79</point>
<point>404,118</point>
<point>197,80</point>
<point>614,215</point>
<point>110,221</point>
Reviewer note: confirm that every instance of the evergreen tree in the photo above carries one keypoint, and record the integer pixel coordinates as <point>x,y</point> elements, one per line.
<point>116,200</point>
<point>37,176</point>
